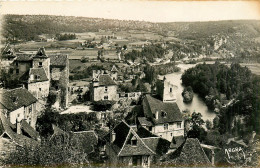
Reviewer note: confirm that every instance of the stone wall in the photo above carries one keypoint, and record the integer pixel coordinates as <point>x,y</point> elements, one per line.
<point>39,90</point>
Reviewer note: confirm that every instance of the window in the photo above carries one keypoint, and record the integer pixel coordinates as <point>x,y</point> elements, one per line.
<point>179,125</point>
<point>30,109</point>
<point>105,97</point>
<point>105,88</point>
<point>134,142</point>
<point>40,64</point>
<point>163,114</point>
<point>16,63</point>
<point>17,71</point>
<point>11,71</point>
<point>171,134</point>
<point>165,126</point>
<point>40,89</point>
<point>150,128</point>
<point>170,89</point>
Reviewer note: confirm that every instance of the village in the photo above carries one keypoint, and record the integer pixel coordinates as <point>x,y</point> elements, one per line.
<point>125,98</point>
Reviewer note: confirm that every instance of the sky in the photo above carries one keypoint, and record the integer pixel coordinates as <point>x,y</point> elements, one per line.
<point>144,10</point>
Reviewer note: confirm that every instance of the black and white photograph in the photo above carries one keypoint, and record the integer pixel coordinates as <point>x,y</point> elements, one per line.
<point>137,84</point>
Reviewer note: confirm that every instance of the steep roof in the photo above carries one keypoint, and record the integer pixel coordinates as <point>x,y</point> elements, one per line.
<point>39,75</point>
<point>152,105</point>
<point>139,149</point>
<point>8,52</point>
<point>86,139</point>
<point>8,131</point>
<point>16,98</point>
<point>157,144</point>
<point>106,80</point>
<point>144,133</point>
<point>144,121</point>
<point>24,57</point>
<point>26,128</point>
<point>41,53</point>
<point>121,130</point>
<point>177,141</point>
<point>58,60</point>
<point>189,154</point>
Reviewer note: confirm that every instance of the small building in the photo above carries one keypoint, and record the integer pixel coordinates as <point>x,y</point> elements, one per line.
<point>102,86</point>
<point>19,104</point>
<point>128,146</point>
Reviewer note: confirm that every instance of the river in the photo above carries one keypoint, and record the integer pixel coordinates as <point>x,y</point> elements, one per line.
<point>197,103</point>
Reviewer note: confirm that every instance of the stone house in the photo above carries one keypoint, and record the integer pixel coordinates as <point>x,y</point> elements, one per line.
<point>162,119</point>
<point>16,135</point>
<point>128,146</point>
<point>19,104</point>
<point>103,87</point>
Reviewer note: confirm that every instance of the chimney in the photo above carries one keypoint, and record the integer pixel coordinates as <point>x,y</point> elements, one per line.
<point>157,115</point>
<point>212,157</point>
<point>113,136</point>
<point>32,77</point>
<point>18,127</point>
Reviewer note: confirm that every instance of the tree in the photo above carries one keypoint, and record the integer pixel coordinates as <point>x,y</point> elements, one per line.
<point>216,122</point>
<point>197,131</point>
<point>209,125</point>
